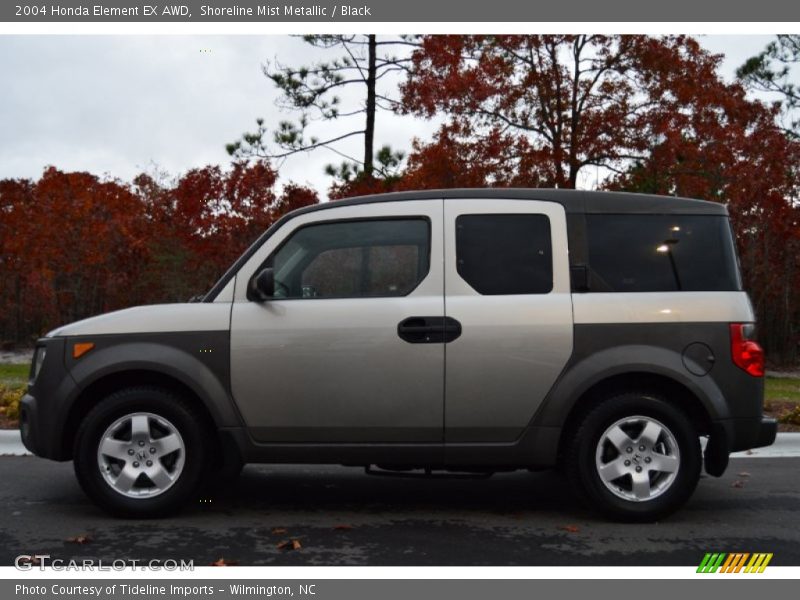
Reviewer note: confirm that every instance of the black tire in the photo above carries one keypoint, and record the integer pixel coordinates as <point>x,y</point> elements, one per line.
<point>165,404</point>
<point>583,471</point>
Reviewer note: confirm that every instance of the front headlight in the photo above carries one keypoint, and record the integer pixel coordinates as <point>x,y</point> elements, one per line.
<point>38,361</point>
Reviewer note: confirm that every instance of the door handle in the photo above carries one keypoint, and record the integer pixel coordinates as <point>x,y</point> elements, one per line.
<point>429,330</point>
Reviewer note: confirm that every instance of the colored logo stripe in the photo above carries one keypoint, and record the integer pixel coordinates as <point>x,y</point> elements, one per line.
<point>711,562</point>
<point>758,563</point>
<point>734,562</point>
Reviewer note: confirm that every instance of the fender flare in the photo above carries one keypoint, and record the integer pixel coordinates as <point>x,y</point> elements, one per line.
<point>579,377</point>
<point>165,360</point>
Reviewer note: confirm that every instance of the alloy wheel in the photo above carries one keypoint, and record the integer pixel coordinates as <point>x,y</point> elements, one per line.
<point>141,455</point>
<point>637,458</point>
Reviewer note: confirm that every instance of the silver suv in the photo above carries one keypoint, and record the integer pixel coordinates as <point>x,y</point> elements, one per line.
<point>463,330</point>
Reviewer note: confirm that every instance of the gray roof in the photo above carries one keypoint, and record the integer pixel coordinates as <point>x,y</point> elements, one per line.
<point>573,201</point>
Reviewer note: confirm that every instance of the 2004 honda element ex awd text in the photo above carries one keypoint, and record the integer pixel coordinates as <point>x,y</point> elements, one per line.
<point>468,331</point>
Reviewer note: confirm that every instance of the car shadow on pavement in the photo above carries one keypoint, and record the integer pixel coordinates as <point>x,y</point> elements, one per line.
<point>299,487</point>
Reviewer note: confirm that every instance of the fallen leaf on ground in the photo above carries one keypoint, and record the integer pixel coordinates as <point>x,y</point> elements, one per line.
<point>569,528</point>
<point>280,531</point>
<point>79,539</point>
<point>224,562</point>
<point>738,484</point>
<point>289,545</point>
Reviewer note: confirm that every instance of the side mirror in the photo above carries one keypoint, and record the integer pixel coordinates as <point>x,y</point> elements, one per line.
<point>263,286</point>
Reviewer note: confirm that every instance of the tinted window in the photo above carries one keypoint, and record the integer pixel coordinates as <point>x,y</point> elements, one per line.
<point>661,253</point>
<point>505,254</point>
<point>353,259</point>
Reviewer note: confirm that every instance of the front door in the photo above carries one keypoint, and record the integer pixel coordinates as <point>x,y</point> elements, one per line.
<point>328,359</point>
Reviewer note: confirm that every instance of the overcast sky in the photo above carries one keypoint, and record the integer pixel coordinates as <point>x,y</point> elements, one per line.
<point>119,105</point>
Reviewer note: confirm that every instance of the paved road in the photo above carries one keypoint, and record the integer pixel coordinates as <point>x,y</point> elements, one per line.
<point>511,519</point>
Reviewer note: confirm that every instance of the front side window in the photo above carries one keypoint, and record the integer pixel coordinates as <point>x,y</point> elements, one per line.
<point>661,253</point>
<point>353,259</point>
<point>505,254</point>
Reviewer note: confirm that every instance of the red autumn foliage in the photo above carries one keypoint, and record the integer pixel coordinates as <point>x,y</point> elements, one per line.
<point>548,106</point>
<point>74,245</point>
<point>71,244</point>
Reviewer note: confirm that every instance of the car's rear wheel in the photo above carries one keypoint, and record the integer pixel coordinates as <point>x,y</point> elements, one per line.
<point>140,452</point>
<point>635,457</point>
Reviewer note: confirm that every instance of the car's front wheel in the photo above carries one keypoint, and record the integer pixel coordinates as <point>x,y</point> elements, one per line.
<point>140,452</point>
<point>635,457</point>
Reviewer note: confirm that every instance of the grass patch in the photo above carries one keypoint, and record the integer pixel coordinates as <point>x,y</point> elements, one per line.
<point>13,374</point>
<point>781,389</point>
<point>782,401</point>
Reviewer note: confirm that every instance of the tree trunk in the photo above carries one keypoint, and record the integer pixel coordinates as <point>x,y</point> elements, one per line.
<point>369,130</point>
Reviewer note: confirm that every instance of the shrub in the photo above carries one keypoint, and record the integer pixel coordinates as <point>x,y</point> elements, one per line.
<point>9,401</point>
<point>792,417</point>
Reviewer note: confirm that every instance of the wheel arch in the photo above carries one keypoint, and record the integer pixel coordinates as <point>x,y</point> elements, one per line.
<point>103,386</point>
<point>663,386</point>
<point>624,369</point>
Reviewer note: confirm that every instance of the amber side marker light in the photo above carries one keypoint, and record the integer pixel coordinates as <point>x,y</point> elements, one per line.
<point>81,348</point>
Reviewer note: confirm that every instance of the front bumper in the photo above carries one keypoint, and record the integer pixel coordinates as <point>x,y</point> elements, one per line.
<point>43,409</point>
<point>41,434</point>
<point>28,418</point>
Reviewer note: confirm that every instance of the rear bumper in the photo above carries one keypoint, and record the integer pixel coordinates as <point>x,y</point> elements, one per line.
<point>767,432</point>
<point>745,434</point>
<point>733,435</point>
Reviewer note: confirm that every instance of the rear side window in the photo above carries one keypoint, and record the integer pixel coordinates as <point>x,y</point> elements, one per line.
<point>661,253</point>
<point>505,254</point>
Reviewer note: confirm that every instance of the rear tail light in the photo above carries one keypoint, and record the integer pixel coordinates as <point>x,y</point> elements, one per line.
<point>746,353</point>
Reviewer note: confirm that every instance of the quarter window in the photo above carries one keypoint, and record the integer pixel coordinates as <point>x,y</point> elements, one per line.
<point>505,254</point>
<point>661,253</point>
<point>353,259</point>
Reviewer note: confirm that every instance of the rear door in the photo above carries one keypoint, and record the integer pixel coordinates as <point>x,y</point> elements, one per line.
<point>507,284</point>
